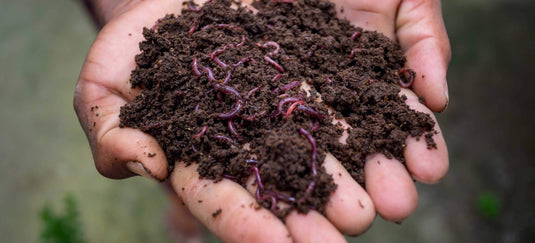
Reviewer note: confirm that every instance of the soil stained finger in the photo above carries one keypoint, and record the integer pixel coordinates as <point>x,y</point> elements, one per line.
<point>218,89</point>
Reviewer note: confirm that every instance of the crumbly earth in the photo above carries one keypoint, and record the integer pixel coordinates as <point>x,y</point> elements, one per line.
<point>221,88</point>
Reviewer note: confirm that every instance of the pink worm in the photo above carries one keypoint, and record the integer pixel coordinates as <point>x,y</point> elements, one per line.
<point>272,44</point>
<point>285,101</point>
<point>195,65</point>
<point>352,54</point>
<point>404,83</point>
<point>275,64</point>
<point>233,129</point>
<point>239,100</point>
<point>227,78</point>
<point>251,92</point>
<point>202,132</point>
<point>230,26</point>
<point>276,77</point>
<point>219,62</point>
<point>355,35</point>
<point>223,138</point>
<point>310,111</point>
<point>291,85</point>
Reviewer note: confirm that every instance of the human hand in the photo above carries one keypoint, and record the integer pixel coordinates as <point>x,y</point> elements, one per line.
<point>417,25</point>
<point>118,152</point>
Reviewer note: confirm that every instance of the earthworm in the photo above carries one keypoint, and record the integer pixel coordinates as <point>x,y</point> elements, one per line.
<point>251,161</point>
<point>233,113</point>
<point>197,106</point>
<point>251,92</point>
<point>209,73</point>
<point>157,23</point>
<point>223,138</point>
<point>284,101</point>
<point>406,83</point>
<point>267,196</point>
<point>355,35</point>
<point>328,80</point>
<point>239,101</point>
<point>310,111</point>
<point>292,107</point>
<point>291,85</point>
<point>280,196</point>
<point>202,132</point>
<point>192,28</point>
<point>312,142</point>
<point>194,149</point>
<point>276,77</point>
<point>259,183</point>
<point>152,126</point>
<point>227,176</point>
<point>253,117</point>
<point>233,129</point>
<point>308,191</point>
<point>275,64</point>
<point>242,41</point>
<point>315,127</point>
<point>352,54</point>
<point>218,51</point>
<point>219,62</point>
<point>193,8</point>
<point>230,26</point>
<point>243,60</point>
<point>272,44</point>
<point>195,66</point>
<point>227,78</point>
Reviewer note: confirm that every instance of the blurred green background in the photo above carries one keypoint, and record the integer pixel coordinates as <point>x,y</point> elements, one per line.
<point>486,197</point>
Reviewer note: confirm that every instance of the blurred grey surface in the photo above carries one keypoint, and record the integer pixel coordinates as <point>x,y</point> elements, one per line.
<point>488,127</point>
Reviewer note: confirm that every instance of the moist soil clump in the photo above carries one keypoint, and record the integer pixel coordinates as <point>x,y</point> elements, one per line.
<point>257,94</point>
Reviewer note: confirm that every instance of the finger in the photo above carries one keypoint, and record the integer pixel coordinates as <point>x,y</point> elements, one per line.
<point>350,209</point>
<point>103,88</point>
<point>113,147</point>
<point>309,227</point>
<point>390,187</point>
<point>312,227</point>
<point>226,208</point>
<point>426,165</point>
<point>422,35</point>
<point>111,58</point>
<point>370,15</point>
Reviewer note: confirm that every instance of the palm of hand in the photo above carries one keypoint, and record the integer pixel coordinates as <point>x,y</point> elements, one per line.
<point>103,88</point>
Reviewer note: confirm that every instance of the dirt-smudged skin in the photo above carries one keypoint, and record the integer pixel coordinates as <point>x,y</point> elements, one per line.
<point>219,89</point>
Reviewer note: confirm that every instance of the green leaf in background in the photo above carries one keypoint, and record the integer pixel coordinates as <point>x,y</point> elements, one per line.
<point>61,228</point>
<point>488,205</point>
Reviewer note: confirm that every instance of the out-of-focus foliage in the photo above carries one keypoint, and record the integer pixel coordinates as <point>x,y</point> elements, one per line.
<point>61,227</point>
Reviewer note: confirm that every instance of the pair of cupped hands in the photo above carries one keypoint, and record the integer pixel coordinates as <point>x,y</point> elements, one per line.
<point>103,87</point>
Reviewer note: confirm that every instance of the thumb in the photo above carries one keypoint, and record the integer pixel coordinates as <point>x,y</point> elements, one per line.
<point>118,152</point>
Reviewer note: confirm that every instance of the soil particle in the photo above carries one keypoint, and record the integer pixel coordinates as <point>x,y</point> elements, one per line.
<point>220,88</point>
<point>216,213</point>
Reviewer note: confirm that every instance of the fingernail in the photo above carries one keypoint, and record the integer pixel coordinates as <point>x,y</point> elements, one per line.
<point>446,96</point>
<point>137,167</point>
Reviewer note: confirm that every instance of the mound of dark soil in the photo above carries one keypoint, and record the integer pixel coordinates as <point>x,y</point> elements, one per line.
<point>221,88</point>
